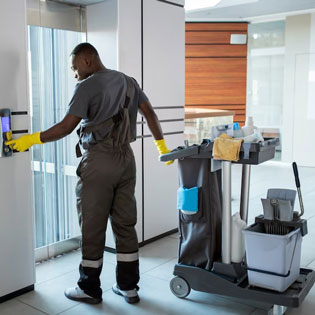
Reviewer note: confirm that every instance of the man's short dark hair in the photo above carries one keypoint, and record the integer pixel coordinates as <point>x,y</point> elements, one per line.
<point>86,48</point>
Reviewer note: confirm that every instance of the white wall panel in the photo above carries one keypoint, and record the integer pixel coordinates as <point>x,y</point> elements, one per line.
<point>19,122</point>
<point>297,41</point>
<point>163,76</point>
<point>16,211</point>
<point>16,224</point>
<point>304,110</point>
<point>164,53</point>
<point>102,26</point>
<point>170,113</point>
<point>129,38</point>
<point>160,190</point>
<point>168,126</point>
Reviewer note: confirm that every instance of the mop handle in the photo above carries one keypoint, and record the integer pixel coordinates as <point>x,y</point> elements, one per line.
<point>297,182</point>
<point>296,175</point>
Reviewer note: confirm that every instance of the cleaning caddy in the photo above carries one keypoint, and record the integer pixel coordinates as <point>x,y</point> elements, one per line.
<point>204,259</point>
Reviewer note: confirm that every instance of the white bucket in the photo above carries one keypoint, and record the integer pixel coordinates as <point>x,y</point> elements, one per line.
<point>280,254</point>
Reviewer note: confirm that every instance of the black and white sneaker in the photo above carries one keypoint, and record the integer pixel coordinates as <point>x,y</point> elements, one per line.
<point>130,296</point>
<point>77,294</point>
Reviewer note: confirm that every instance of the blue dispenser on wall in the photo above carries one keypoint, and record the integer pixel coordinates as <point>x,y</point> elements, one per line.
<point>5,132</point>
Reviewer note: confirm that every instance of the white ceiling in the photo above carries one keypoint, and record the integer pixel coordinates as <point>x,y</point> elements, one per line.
<point>235,10</point>
<point>246,9</point>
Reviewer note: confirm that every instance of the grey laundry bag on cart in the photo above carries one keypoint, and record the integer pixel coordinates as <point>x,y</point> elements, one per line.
<point>200,233</point>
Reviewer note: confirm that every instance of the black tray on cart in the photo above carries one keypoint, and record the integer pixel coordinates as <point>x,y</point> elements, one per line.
<point>216,284</point>
<point>251,153</point>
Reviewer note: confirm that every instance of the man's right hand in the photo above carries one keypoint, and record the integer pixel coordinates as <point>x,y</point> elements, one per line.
<point>162,148</point>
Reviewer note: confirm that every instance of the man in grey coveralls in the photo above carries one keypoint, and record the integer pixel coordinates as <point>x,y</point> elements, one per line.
<point>106,103</point>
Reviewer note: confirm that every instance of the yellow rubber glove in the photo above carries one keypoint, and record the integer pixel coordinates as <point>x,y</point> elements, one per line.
<point>25,142</point>
<point>8,135</point>
<point>162,148</point>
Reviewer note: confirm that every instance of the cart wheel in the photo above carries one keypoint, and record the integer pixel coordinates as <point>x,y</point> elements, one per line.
<point>179,287</point>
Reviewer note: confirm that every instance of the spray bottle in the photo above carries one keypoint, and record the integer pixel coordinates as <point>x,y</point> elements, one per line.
<point>249,127</point>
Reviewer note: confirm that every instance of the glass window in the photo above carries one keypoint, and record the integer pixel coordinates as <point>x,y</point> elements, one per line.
<point>54,164</point>
<point>265,74</point>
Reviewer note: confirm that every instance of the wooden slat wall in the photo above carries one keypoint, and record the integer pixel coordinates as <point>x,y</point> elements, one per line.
<point>215,69</point>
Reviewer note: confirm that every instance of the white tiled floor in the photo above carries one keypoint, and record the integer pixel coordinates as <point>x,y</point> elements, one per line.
<point>156,265</point>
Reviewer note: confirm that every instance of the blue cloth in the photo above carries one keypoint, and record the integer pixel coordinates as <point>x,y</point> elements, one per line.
<point>187,199</point>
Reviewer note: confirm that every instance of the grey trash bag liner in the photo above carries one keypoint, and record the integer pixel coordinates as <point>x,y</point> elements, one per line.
<point>200,233</point>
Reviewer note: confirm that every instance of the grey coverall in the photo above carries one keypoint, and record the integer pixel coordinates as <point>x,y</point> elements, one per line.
<point>107,178</point>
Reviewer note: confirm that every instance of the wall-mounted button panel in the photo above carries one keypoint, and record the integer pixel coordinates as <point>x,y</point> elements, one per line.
<point>5,132</point>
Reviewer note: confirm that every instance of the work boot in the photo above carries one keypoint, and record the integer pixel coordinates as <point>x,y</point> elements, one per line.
<point>78,294</point>
<point>130,296</point>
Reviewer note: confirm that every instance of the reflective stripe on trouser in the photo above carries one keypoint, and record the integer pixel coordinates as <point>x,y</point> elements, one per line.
<point>106,190</point>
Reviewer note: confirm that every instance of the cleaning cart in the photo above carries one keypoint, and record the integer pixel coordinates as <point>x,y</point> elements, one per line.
<point>204,259</point>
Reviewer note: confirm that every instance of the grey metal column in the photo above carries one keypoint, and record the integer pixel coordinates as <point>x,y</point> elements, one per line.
<point>226,212</point>
<point>245,191</point>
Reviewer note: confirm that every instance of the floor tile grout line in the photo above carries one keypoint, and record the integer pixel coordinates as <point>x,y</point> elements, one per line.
<point>307,266</point>
<point>237,301</point>
<point>64,274</point>
<point>157,278</point>
<point>164,280</point>
<point>51,279</point>
<point>158,265</point>
<point>59,257</point>
<point>31,306</point>
<point>69,308</point>
<point>59,276</point>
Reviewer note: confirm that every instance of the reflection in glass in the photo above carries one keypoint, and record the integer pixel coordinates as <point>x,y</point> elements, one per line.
<point>54,164</point>
<point>265,74</point>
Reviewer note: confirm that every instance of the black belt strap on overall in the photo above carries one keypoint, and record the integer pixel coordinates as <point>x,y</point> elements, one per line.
<point>108,123</point>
